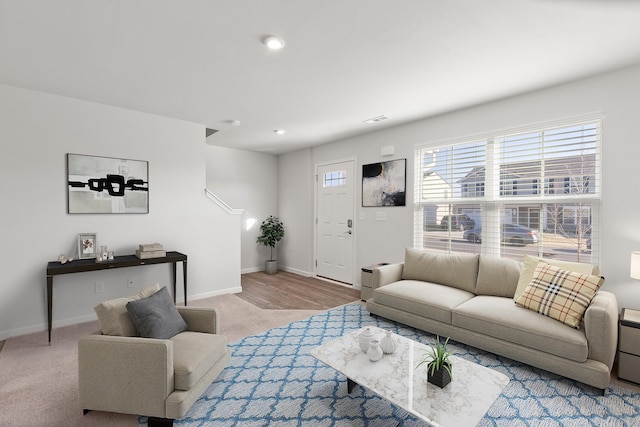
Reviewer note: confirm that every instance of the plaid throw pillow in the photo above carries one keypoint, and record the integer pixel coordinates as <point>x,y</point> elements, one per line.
<point>560,294</point>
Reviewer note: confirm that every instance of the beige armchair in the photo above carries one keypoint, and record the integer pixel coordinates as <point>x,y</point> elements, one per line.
<point>157,378</point>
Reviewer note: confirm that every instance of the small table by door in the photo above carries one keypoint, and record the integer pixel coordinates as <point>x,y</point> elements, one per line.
<point>629,346</point>
<point>54,268</point>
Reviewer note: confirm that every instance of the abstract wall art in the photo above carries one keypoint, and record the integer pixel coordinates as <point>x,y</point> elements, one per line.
<point>384,183</point>
<point>106,185</point>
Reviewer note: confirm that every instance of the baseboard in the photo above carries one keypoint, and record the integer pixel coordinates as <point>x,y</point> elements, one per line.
<point>280,267</point>
<point>296,271</point>
<point>203,295</point>
<point>43,326</point>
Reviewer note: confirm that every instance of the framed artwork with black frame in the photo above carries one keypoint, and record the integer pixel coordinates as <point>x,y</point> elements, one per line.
<point>384,183</point>
<point>106,185</point>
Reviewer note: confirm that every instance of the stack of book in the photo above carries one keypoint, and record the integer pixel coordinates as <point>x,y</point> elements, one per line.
<point>151,250</point>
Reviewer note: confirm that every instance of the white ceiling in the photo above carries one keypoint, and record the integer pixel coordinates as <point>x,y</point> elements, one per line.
<point>345,61</point>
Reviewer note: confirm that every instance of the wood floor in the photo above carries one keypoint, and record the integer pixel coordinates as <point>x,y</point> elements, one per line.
<point>288,291</point>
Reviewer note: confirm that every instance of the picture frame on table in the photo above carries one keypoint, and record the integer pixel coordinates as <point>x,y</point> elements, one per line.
<point>87,245</point>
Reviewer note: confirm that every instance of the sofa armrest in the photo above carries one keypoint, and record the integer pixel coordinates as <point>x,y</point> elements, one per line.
<point>130,375</point>
<point>601,327</point>
<point>385,274</point>
<point>201,319</point>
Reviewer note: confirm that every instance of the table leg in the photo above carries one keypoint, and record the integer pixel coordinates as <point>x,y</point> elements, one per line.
<point>49,304</point>
<point>184,280</point>
<point>350,385</point>
<point>174,281</point>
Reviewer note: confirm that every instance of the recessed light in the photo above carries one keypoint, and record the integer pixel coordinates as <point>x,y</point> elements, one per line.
<point>280,131</point>
<point>273,42</point>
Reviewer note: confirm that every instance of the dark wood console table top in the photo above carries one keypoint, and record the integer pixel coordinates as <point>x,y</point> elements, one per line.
<point>54,268</point>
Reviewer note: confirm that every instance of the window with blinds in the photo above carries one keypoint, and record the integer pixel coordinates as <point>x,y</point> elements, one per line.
<point>526,191</point>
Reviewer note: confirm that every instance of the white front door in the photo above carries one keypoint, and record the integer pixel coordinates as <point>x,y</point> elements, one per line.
<point>335,226</point>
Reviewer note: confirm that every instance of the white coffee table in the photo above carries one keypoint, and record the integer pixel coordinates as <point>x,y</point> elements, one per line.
<point>463,402</point>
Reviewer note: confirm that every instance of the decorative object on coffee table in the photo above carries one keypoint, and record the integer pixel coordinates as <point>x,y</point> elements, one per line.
<point>375,352</point>
<point>271,232</point>
<point>388,344</point>
<point>438,364</point>
<point>365,338</point>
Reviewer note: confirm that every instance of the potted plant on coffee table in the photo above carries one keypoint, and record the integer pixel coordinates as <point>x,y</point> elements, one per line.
<point>271,232</point>
<point>438,364</point>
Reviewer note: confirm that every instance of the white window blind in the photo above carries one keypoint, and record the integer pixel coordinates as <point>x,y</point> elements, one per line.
<point>525,191</point>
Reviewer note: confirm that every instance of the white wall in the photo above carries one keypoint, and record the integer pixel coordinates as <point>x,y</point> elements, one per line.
<point>296,186</point>
<point>37,131</point>
<point>615,94</point>
<point>246,180</point>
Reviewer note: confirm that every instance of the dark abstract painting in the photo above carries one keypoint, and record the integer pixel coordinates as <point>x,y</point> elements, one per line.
<point>107,185</point>
<point>383,184</point>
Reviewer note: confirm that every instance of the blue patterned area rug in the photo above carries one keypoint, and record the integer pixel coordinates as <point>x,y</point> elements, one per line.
<point>273,381</point>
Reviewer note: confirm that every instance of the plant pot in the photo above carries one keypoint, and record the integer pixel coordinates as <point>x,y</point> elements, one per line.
<point>271,266</point>
<point>440,377</point>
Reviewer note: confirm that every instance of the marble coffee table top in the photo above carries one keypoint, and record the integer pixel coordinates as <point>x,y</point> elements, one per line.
<point>463,402</point>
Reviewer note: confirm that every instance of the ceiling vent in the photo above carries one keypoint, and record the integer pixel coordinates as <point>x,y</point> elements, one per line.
<point>377,119</point>
<point>210,132</point>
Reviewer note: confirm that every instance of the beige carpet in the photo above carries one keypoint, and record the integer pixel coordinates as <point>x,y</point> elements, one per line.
<point>39,383</point>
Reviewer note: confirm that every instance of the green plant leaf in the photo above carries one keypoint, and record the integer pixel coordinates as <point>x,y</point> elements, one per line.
<point>271,232</point>
<point>437,357</point>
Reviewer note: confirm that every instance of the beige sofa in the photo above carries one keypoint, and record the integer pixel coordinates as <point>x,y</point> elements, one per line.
<point>470,298</point>
<point>159,378</point>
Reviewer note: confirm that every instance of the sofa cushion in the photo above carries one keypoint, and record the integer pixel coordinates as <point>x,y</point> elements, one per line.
<point>530,263</point>
<point>113,315</point>
<point>156,316</point>
<point>194,353</point>
<point>425,299</point>
<point>456,270</point>
<point>497,276</point>
<point>560,294</point>
<point>500,318</point>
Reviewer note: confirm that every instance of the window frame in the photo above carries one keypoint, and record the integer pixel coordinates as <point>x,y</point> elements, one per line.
<point>532,195</point>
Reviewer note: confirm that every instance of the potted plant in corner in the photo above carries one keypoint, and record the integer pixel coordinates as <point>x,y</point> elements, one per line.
<point>271,231</point>
<point>438,364</point>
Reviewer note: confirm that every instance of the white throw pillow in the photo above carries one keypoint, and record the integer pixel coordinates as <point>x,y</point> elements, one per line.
<point>113,315</point>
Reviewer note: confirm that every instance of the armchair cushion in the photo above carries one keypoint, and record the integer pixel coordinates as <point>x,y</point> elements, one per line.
<point>156,316</point>
<point>194,353</point>
<point>113,316</point>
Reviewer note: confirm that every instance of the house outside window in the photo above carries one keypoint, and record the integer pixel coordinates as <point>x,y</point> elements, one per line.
<point>529,191</point>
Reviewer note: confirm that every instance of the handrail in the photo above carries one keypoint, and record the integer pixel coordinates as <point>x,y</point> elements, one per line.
<point>228,209</point>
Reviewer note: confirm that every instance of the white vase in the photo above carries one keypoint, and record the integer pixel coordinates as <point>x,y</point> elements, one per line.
<point>374,352</point>
<point>365,338</point>
<point>388,343</point>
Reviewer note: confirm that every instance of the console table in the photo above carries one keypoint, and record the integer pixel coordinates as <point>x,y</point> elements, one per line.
<point>55,268</point>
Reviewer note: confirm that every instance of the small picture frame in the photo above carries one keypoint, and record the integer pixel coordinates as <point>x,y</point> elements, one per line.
<point>87,245</point>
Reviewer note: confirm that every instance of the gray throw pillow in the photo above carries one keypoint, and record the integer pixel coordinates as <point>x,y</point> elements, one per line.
<point>156,316</point>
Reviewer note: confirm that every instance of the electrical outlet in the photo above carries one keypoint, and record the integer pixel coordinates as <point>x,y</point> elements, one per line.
<point>130,282</point>
<point>99,287</point>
